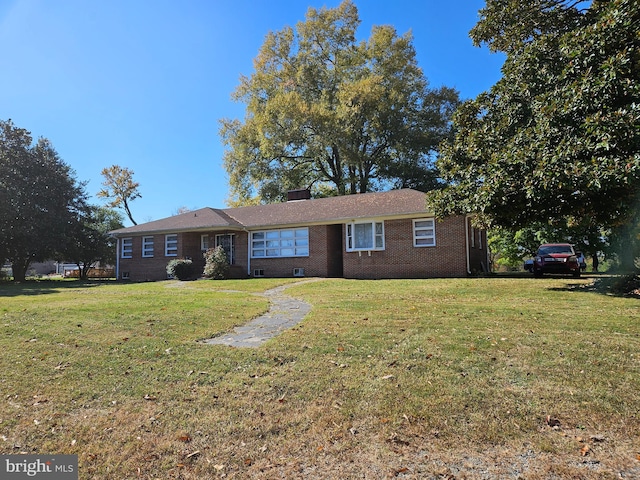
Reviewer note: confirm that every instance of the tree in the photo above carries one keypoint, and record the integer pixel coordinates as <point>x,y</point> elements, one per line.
<point>324,110</point>
<point>120,188</point>
<point>39,199</point>
<point>558,137</point>
<point>90,242</point>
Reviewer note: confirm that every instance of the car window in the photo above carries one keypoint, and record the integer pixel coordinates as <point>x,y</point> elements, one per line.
<point>548,250</point>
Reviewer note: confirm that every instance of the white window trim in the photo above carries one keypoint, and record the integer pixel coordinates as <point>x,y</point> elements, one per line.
<point>415,230</point>
<point>350,239</point>
<point>126,250</point>
<point>253,241</point>
<point>204,237</point>
<point>147,246</point>
<point>173,250</point>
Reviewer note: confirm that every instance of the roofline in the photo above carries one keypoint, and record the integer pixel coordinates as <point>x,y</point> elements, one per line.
<point>271,226</point>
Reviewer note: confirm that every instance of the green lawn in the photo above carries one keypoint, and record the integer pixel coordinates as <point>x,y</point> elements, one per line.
<point>443,378</point>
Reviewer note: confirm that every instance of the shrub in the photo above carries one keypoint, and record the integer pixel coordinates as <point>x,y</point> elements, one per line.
<point>216,264</point>
<point>180,268</point>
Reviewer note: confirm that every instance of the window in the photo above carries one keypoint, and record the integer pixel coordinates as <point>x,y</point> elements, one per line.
<point>147,247</point>
<point>204,242</point>
<point>280,243</point>
<point>171,245</point>
<point>127,248</point>
<point>424,232</point>
<point>365,236</point>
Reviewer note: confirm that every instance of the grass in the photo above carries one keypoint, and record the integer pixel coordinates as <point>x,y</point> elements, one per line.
<point>443,378</point>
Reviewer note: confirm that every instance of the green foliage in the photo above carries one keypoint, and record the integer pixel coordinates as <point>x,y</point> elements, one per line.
<point>323,108</point>
<point>40,200</point>
<point>120,188</point>
<point>181,268</point>
<point>90,241</point>
<point>216,264</point>
<point>556,140</point>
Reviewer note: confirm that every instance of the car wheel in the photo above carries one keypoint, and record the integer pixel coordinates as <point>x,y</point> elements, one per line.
<point>576,274</point>
<point>537,273</point>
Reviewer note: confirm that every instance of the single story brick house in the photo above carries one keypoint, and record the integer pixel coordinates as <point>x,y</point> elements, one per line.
<point>366,236</point>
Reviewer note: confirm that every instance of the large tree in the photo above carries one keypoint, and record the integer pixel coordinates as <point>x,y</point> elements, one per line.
<point>558,137</point>
<point>326,111</point>
<point>90,241</point>
<point>120,188</point>
<point>39,199</point>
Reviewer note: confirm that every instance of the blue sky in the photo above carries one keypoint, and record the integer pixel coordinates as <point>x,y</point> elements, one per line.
<point>144,83</point>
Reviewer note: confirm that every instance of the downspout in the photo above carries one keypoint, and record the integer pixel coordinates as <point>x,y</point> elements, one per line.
<point>466,243</point>
<point>117,258</point>
<point>248,252</point>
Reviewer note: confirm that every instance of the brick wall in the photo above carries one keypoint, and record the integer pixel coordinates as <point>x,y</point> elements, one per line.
<point>401,259</point>
<point>328,257</point>
<point>315,265</point>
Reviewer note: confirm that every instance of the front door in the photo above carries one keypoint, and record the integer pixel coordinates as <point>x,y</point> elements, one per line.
<point>226,241</point>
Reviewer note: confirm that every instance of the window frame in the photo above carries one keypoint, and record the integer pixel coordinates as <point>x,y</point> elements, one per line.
<point>204,245</point>
<point>145,246</point>
<point>126,247</point>
<point>297,241</point>
<point>417,228</point>
<point>351,236</point>
<point>171,246</point>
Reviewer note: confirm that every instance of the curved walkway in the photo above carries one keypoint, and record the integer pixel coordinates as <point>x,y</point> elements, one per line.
<point>284,312</point>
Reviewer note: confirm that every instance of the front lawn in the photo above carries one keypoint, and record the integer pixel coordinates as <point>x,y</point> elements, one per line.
<point>444,378</point>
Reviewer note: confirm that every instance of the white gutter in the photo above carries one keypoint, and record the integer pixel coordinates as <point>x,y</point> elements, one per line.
<point>466,242</point>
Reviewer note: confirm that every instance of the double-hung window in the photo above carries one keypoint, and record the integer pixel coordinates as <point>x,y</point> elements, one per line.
<point>280,243</point>
<point>147,247</point>
<point>204,242</point>
<point>424,232</point>
<point>365,236</point>
<point>171,245</point>
<point>126,249</point>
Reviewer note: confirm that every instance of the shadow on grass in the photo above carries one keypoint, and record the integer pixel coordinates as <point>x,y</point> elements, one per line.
<point>44,287</point>
<point>624,286</point>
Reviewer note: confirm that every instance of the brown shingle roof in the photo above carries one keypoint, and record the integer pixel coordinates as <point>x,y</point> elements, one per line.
<point>394,203</point>
<point>201,219</point>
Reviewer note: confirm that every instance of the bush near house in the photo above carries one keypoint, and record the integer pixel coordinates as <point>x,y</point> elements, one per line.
<point>216,264</point>
<point>180,268</point>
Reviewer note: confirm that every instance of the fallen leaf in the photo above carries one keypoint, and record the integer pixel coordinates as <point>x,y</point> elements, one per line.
<point>584,451</point>
<point>219,467</point>
<point>597,438</point>
<point>386,377</point>
<point>553,422</point>
<point>150,397</point>
<point>247,462</point>
<point>185,437</point>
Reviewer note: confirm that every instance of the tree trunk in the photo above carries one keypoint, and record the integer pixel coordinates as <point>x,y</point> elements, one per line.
<point>19,269</point>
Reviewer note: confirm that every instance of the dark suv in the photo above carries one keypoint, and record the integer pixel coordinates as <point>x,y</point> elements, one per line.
<point>556,258</point>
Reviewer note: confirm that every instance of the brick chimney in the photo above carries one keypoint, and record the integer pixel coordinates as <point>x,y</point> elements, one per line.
<point>301,194</point>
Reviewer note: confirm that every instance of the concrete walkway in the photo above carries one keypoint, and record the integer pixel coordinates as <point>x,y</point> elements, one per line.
<point>284,313</point>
